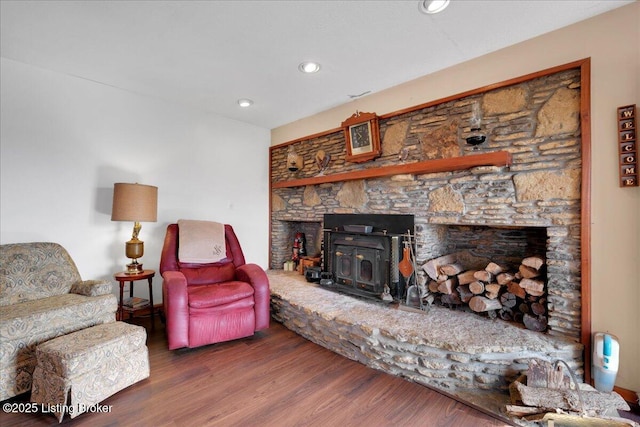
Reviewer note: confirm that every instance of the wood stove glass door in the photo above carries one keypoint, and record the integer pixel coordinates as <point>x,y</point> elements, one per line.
<point>367,275</point>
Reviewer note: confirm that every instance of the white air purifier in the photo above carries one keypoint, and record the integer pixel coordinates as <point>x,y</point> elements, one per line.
<point>606,358</point>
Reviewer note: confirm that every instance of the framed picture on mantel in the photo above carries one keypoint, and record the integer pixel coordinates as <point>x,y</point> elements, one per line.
<point>362,134</point>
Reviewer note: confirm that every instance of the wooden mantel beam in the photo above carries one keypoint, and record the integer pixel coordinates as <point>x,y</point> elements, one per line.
<point>498,158</point>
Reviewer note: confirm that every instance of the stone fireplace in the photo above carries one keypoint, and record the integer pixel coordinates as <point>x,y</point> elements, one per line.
<point>531,205</point>
<point>537,121</point>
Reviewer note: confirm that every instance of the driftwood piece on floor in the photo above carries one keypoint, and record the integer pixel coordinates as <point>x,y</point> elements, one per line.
<point>542,373</point>
<point>521,411</point>
<point>568,400</point>
<point>514,394</point>
<point>568,420</point>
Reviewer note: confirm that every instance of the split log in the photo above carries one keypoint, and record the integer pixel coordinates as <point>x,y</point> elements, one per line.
<point>451,269</point>
<point>442,277</point>
<point>481,304</point>
<point>432,267</point>
<point>433,286</point>
<point>464,292</point>
<point>466,277</point>
<point>568,400</point>
<point>538,309</point>
<point>515,289</point>
<point>476,287</point>
<point>506,314</point>
<point>452,299</point>
<point>428,299</point>
<point>483,275</point>
<point>494,268</point>
<point>532,286</point>
<point>504,278</point>
<point>492,290</point>
<point>447,287</point>
<point>532,323</point>
<point>534,262</point>
<point>508,300</point>
<point>528,272</point>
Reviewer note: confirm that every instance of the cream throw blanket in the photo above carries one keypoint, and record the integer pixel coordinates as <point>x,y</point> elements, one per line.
<point>201,242</point>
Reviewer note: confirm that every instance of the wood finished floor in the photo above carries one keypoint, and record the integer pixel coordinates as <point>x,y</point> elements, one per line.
<point>276,378</point>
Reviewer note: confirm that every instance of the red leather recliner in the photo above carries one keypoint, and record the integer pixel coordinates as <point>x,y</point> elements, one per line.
<point>209,303</point>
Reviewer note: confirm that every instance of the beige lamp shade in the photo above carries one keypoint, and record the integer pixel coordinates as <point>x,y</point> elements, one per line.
<point>134,202</point>
<point>137,203</point>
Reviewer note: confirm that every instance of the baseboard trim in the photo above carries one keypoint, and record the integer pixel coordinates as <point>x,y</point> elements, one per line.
<point>629,395</point>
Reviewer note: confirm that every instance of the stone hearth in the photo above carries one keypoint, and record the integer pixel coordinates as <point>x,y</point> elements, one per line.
<point>442,349</point>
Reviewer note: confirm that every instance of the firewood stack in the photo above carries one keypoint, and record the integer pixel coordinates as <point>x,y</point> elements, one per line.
<point>518,297</point>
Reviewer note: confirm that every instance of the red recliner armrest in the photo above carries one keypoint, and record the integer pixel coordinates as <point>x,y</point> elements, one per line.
<point>253,274</point>
<point>176,308</point>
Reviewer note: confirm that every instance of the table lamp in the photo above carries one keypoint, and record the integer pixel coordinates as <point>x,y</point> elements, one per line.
<point>137,203</point>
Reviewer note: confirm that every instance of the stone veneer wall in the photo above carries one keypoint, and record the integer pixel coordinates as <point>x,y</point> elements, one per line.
<point>537,121</point>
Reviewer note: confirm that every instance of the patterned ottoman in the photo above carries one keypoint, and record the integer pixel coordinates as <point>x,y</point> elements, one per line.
<point>77,371</point>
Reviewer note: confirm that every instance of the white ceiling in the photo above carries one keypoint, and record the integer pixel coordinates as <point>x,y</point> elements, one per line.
<point>208,54</point>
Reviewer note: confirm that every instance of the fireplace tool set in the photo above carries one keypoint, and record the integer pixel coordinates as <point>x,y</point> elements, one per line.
<point>407,267</point>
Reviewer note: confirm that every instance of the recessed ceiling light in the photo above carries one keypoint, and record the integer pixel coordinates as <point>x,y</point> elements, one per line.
<point>244,103</point>
<point>433,6</point>
<point>309,67</point>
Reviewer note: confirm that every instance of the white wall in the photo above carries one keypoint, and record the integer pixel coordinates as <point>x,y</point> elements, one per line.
<point>612,41</point>
<point>64,142</point>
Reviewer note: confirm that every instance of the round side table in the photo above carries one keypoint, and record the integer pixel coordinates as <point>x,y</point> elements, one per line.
<point>123,277</point>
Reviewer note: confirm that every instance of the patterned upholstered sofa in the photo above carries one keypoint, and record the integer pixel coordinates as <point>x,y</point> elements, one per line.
<point>41,297</point>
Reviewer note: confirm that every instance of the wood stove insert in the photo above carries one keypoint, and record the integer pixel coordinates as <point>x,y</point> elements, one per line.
<point>362,252</point>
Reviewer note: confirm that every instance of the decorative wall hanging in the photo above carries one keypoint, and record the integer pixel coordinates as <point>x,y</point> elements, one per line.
<point>476,136</point>
<point>362,134</point>
<point>294,160</point>
<point>628,146</point>
<point>322,160</point>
